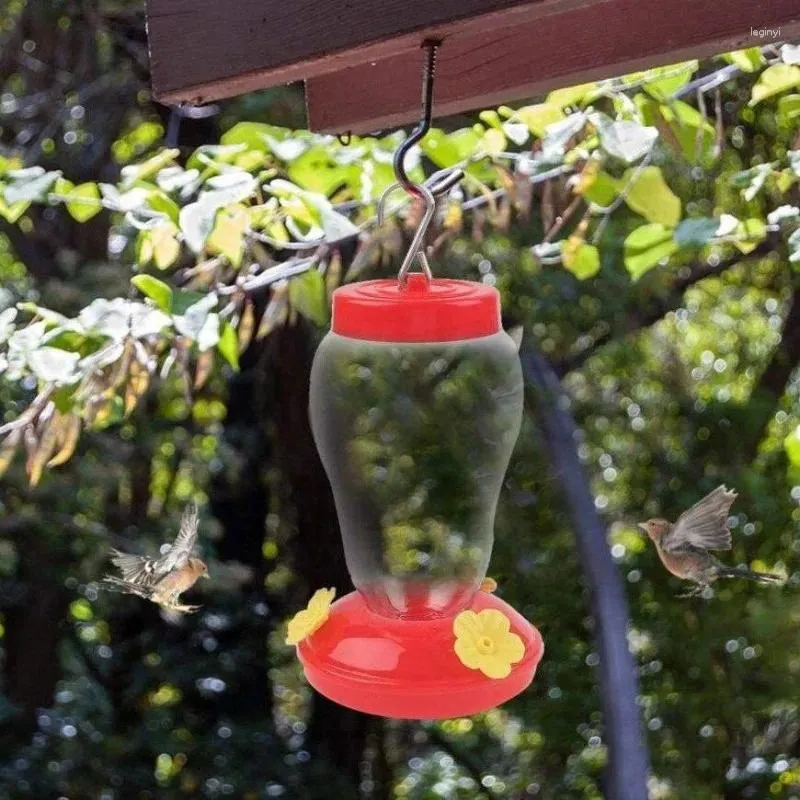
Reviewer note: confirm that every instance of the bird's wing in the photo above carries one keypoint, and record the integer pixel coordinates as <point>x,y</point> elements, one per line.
<point>703,525</point>
<point>138,570</point>
<point>181,549</point>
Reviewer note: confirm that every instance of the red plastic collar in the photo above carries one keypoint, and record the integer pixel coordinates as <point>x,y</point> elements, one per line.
<point>440,310</point>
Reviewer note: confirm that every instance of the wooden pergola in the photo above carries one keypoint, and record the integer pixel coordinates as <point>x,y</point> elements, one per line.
<point>360,59</point>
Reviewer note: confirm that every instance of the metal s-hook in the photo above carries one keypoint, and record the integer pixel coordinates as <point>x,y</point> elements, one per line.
<point>416,248</point>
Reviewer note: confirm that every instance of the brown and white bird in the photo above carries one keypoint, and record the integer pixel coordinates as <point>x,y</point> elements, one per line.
<point>162,580</point>
<point>683,547</point>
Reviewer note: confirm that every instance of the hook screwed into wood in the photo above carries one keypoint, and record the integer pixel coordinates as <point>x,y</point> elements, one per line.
<point>424,125</point>
<point>439,184</point>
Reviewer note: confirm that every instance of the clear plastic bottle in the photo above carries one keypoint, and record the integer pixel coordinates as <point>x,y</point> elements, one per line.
<point>416,404</point>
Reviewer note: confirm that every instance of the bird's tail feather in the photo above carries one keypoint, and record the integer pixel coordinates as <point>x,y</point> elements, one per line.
<point>112,584</point>
<point>748,574</point>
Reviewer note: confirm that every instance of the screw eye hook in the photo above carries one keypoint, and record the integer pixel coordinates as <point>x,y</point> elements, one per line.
<point>437,185</point>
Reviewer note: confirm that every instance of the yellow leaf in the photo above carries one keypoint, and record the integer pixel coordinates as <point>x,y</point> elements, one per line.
<point>166,247</point>
<point>227,237</point>
<point>205,363</point>
<point>144,248</point>
<point>39,454</point>
<point>69,432</point>
<point>651,197</point>
<point>246,326</point>
<point>138,381</point>
<point>587,177</point>
<point>453,218</point>
<point>8,450</point>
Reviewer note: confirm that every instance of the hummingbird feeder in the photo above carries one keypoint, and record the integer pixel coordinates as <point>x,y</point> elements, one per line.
<point>416,403</point>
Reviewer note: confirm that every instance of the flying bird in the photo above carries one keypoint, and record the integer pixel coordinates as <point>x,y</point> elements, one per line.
<point>162,580</point>
<point>684,546</point>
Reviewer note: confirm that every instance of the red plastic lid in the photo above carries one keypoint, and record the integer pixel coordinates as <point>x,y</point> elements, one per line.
<point>440,310</point>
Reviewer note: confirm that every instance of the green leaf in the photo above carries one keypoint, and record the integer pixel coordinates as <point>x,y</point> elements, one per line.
<point>82,202</point>
<point>749,60</point>
<point>647,246</point>
<point>307,294</point>
<point>629,141</point>
<point>316,171</point>
<point>789,108</point>
<point>197,219</point>
<point>753,231</point>
<point>602,191</point>
<point>29,185</point>
<point>751,181</point>
<point>254,135</point>
<point>663,82</point>
<point>696,232</point>
<point>774,80</point>
<point>156,290</point>
<point>214,154</point>
<point>570,96</point>
<point>791,445</point>
<point>141,172</point>
<point>538,117</point>
<point>443,150</point>
<point>183,300</point>
<point>581,259</point>
<point>651,197</point>
<point>228,345</point>
<point>11,212</point>
<point>159,201</point>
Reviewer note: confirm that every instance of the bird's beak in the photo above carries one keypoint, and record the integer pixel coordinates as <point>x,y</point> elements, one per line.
<point>642,526</point>
<point>206,575</point>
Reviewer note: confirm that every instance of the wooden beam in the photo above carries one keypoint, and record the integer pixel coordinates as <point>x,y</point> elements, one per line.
<point>562,47</point>
<point>203,50</point>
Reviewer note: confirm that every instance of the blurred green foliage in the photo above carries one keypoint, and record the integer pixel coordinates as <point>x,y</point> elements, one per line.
<point>648,245</point>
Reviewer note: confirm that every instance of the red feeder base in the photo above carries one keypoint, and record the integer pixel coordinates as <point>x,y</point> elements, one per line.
<point>407,669</point>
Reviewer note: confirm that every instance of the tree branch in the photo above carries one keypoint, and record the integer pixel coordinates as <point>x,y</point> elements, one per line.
<point>628,764</point>
<point>659,307</point>
<point>772,383</point>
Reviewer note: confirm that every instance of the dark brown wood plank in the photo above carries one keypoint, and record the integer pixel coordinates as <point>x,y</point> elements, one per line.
<point>561,48</point>
<point>202,50</point>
